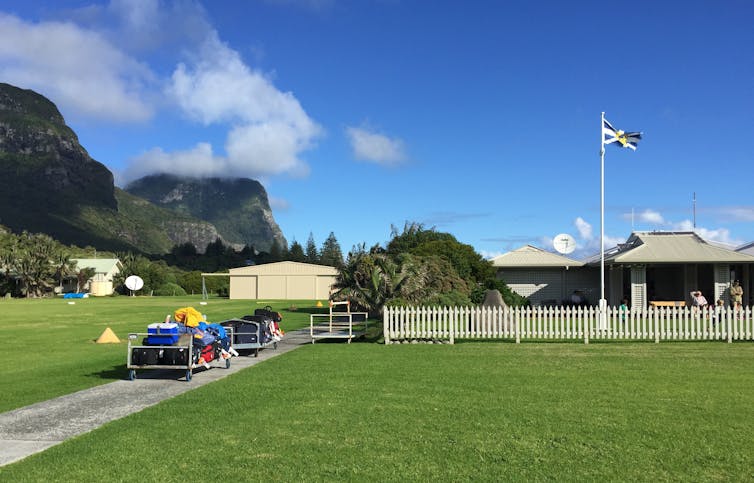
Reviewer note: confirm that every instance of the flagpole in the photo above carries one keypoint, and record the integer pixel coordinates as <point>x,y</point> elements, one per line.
<point>603,302</point>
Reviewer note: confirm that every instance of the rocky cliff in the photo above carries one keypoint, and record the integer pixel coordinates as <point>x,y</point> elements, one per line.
<point>237,207</point>
<point>50,184</point>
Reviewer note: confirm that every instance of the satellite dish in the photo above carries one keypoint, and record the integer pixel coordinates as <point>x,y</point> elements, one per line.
<point>134,282</point>
<point>564,243</point>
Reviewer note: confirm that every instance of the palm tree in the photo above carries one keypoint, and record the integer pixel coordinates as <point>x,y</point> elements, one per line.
<point>82,277</point>
<point>368,280</point>
<point>64,266</point>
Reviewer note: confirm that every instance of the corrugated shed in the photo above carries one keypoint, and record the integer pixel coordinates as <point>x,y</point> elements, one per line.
<point>285,268</point>
<point>530,256</point>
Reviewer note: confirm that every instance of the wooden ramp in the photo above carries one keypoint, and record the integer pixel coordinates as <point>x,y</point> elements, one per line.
<point>338,324</point>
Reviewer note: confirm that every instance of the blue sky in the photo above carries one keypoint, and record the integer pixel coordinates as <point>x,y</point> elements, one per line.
<point>479,118</point>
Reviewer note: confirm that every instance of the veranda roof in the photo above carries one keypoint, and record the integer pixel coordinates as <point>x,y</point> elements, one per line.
<point>671,247</point>
<point>530,256</point>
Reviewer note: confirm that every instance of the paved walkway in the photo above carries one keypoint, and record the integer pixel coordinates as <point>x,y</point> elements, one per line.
<point>35,428</point>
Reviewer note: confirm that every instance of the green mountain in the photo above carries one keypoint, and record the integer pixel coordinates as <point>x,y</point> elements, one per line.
<point>237,207</point>
<point>50,184</point>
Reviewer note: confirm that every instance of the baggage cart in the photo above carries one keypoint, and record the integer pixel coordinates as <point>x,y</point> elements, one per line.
<point>249,334</point>
<point>179,356</point>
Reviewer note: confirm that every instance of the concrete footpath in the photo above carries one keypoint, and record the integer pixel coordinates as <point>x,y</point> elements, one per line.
<point>35,428</point>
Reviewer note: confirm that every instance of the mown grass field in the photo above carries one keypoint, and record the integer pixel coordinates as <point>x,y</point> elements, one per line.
<point>474,411</point>
<point>50,349</point>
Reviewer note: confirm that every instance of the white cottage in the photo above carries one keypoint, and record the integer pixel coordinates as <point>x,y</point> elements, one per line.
<point>546,278</point>
<point>105,269</point>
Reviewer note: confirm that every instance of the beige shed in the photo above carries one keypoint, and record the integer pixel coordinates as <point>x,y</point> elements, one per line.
<point>282,281</point>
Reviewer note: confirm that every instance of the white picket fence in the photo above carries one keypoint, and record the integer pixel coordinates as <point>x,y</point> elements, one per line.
<point>567,323</point>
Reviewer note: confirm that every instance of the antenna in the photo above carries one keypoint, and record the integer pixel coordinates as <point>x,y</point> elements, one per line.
<point>694,210</point>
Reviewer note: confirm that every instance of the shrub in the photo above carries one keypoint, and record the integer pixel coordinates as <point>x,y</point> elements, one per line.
<point>170,290</point>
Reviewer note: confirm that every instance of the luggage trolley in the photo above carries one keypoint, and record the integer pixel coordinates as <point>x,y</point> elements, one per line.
<point>171,352</point>
<point>250,333</point>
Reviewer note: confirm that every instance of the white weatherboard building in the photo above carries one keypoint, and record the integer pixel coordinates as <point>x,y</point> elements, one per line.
<point>545,278</point>
<point>282,281</point>
<point>651,268</point>
<point>104,270</point>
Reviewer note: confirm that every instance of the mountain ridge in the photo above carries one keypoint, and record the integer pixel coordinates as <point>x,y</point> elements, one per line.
<point>50,184</point>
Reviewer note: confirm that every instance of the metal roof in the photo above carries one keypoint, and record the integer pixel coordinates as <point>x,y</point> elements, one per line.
<point>100,265</point>
<point>530,256</point>
<point>671,247</point>
<point>285,268</point>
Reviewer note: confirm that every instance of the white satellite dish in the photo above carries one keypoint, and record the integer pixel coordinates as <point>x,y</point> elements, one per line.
<point>134,282</point>
<point>564,243</point>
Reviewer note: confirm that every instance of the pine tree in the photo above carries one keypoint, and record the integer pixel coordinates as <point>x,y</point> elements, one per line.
<point>312,255</point>
<point>296,253</point>
<point>331,253</point>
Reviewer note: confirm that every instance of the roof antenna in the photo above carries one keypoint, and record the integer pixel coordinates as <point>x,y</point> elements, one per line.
<point>694,210</point>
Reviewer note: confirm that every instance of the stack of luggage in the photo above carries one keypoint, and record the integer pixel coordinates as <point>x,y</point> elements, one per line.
<point>208,341</point>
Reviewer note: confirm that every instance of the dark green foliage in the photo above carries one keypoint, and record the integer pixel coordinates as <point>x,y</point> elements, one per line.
<point>312,255</point>
<point>170,290</point>
<point>419,267</point>
<point>296,253</point>
<point>331,253</point>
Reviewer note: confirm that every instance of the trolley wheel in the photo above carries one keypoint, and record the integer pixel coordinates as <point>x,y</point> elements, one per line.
<point>131,374</point>
<point>227,363</point>
<point>188,375</point>
<point>275,345</point>
<point>256,352</point>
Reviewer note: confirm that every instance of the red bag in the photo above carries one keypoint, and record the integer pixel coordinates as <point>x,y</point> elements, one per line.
<point>208,353</point>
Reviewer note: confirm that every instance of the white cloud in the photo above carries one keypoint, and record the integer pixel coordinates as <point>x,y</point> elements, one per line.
<point>720,235</point>
<point>268,128</point>
<point>650,216</point>
<point>78,69</point>
<point>198,161</point>
<point>736,213</point>
<point>584,228</point>
<point>375,147</point>
<point>587,244</point>
<point>489,255</point>
<point>279,204</point>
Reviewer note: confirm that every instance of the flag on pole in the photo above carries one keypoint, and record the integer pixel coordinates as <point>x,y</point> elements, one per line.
<point>611,135</point>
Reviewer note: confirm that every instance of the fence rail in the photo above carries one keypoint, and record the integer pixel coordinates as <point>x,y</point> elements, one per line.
<point>567,323</point>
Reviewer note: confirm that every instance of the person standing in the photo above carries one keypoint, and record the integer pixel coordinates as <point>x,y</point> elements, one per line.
<point>736,295</point>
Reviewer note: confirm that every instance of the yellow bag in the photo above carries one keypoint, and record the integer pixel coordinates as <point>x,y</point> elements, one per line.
<point>189,316</point>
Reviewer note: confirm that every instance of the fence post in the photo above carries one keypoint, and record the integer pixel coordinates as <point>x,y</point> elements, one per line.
<point>386,325</point>
<point>586,317</point>
<point>452,323</point>
<point>517,321</point>
<point>728,327</point>
<point>657,332</point>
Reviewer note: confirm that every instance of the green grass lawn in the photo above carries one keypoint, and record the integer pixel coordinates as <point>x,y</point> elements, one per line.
<point>474,411</point>
<point>50,349</point>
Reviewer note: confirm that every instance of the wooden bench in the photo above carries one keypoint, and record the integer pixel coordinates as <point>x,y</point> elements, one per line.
<point>667,303</point>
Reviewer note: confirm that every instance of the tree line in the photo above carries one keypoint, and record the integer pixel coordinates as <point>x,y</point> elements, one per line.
<point>33,265</point>
<point>418,266</point>
<point>36,265</point>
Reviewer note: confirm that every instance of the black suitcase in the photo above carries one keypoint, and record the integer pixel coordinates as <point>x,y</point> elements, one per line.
<point>145,356</point>
<point>269,313</point>
<point>174,356</point>
<point>246,331</point>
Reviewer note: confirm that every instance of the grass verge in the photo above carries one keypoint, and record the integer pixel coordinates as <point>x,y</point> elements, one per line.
<point>469,412</point>
<point>50,345</point>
